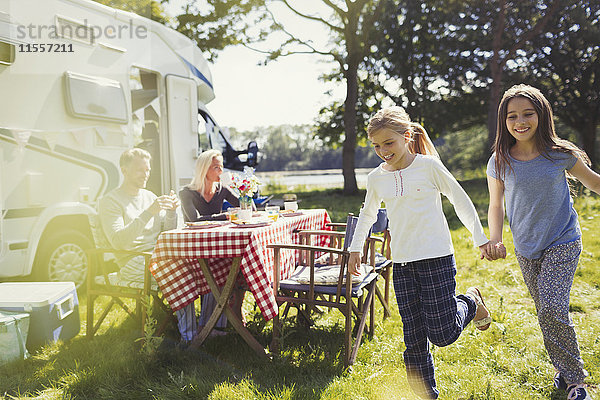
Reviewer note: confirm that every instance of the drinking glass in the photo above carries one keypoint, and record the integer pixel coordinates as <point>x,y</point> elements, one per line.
<point>272,212</point>
<point>232,213</point>
<point>291,205</point>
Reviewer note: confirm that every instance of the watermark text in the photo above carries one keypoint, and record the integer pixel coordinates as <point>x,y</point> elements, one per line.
<point>82,32</point>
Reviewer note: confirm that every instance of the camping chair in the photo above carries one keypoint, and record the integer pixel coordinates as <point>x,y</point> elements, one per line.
<point>349,294</point>
<point>383,263</point>
<point>103,280</point>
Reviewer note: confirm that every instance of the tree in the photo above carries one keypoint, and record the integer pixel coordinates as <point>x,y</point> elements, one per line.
<point>147,8</point>
<point>566,67</point>
<point>330,121</point>
<point>514,24</point>
<point>222,23</point>
<point>451,57</point>
<point>421,62</point>
<point>349,22</point>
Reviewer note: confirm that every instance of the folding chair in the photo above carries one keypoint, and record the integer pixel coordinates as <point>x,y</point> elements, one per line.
<point>383,263</point>
<point>350,294</point>
<point>103,280</point>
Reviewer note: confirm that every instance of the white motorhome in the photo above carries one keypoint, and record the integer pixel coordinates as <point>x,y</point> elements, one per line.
<point>80,83</point>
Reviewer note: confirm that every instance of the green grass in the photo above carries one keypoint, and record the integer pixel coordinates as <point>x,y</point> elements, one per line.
<point>508,361</point>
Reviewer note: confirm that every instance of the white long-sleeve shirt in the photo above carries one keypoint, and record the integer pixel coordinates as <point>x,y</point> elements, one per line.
<point>128,225</point>
<point>417,224</point>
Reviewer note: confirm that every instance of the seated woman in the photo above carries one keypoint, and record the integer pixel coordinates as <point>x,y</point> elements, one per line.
<point>203,200</point>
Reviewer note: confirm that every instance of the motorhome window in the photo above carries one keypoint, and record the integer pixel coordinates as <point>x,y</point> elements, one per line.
<point>94,97</point>
<point>203,143</point>
<point>216,138</point>
<point>7,53</point>
<point>74,30</point>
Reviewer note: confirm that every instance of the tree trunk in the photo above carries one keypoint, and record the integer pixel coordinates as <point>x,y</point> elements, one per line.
<point>493,102</point>
<point>588,136</point>
<point>496,70</point>
<point>349,148</point>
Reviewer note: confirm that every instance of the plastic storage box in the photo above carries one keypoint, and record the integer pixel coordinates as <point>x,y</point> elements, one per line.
<point>13,336</point>
<point>53,309</point>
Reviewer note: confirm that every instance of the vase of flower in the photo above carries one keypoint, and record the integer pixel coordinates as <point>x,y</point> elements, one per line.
<point>245,184</point>
<point>245,207</point>
<point>245,202</point>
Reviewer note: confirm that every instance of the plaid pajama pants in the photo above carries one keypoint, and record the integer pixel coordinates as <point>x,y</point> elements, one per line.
<point>430,311</point>
<point>549,280</point>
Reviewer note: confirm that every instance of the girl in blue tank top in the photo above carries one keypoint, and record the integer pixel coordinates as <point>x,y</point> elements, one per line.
<point>528,172</point>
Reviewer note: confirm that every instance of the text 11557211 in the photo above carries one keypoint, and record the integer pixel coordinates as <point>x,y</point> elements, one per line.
<point>46,48</point>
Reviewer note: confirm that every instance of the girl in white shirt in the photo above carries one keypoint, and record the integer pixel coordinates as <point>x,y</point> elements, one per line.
<point>410,181</point>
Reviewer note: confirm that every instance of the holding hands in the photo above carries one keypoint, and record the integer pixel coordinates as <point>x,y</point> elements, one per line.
<point>492,250</point>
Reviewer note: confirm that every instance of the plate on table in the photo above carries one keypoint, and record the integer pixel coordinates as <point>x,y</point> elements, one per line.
<point>253,223</point>
<point>204,224</point>
<point>289,213</point>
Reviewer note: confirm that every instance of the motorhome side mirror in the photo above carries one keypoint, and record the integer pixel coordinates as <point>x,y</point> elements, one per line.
<point>252,160</point>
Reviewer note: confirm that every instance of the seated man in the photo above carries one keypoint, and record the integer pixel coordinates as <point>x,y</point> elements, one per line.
<point>132,217</point>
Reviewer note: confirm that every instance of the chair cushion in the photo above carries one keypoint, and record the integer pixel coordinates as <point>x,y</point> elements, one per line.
<point>327,274</point>
<point>115,280</point>
<point>326,279</point>
<point>323,260</point>
<point>357,289</point>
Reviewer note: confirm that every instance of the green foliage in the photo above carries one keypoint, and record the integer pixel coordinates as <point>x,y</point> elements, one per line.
<point>221,23</point>
<point>566,66</point>
<point>433,69</point>
<point>440,59</point>
<point>149,341</point>
<point>329,124</point>
<point>465,152</point>
<point>146,8</point>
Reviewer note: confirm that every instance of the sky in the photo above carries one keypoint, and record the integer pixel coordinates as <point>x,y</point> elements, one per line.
<point>285,91</point>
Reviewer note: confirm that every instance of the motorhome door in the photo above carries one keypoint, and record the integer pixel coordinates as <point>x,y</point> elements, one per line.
<point>182,97</point>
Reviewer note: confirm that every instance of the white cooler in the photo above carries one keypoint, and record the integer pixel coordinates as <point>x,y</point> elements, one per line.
<point>13,336</point>
<point>53,308</point>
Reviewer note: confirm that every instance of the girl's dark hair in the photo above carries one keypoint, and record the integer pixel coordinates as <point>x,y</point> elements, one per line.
<point>545,136</point>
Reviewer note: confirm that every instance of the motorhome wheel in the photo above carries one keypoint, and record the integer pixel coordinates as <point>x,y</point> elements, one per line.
<point>62,257</point>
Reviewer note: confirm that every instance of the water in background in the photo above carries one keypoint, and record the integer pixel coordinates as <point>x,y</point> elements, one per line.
<point>329,178</point>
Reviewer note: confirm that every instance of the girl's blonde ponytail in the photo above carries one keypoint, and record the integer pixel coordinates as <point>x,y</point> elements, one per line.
<point>396,119</point>
<point>420,142</point>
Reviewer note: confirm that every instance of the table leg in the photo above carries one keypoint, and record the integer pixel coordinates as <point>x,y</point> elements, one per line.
<point>222,298</point>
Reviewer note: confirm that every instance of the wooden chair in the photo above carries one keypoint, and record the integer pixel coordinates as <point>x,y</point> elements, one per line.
<point>103,280</point>
<point>383,262</point>
<point>329,285</point>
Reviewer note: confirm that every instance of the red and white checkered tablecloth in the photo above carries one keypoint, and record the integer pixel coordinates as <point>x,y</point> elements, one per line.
<point>177,270</point>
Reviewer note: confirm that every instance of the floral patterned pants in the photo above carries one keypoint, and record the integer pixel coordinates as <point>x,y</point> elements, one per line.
<point>549,280</point>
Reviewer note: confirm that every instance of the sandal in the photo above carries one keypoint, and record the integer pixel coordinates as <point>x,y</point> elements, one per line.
<point>482,319</point>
